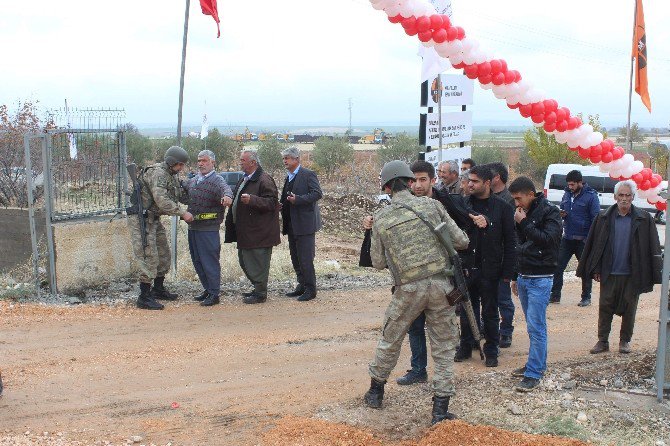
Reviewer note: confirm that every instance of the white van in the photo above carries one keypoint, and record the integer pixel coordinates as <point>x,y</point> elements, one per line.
<point>555,184</point>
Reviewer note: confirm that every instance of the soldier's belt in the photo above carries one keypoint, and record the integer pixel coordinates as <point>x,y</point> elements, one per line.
<point>206,216</point>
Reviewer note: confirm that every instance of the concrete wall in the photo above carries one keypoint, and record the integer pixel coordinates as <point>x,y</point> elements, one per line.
<point>91,252</point>
<point>15,243</point>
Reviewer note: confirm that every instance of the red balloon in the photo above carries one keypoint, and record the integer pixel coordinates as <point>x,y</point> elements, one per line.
<point>496,67</point>
<point>436,21</point>
<point>446,23</point>
<point>411,31</point>
<point>504,65</point>
<point>597,150</point>
<point>425,36</point>
<point>655,180</point>
<point>423,24</point>
<point>562,126</point>
<point>637,178</point>
<point>573,123</point>
<point>396,19</point>
<point>660,178</point>
<point>661,206</point>
<point>645,185</point>
<point>538,107</point>
<point>484,68</point>
<point>574,149</point>
<point>560,114</point>
<point>526,110</point>
<point>513,106</point>
<point>452,34</point>
<point>549,127</point>
<point>498,79</point>
<point>440,35</point>
<point>595,159</point>
<point>646,173</point>
<point>584,152</point>
<point>471,71</point>
<point>607,144</point>
<point>579,121</point>
<point>409,22</point>
<point>461,33</point>
<point>459,66</point>
<point>509,77</point>
<point>549,117</point>
<point>550,105</point>
<point>486,79</point>
<point>538,118</point>
<point>517,76</point>
<point>607,157</point>
<point>567,112</point>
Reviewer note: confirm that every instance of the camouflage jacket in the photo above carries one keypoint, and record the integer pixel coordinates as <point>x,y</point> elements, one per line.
<point>161,191</point>
<point>404,243</point>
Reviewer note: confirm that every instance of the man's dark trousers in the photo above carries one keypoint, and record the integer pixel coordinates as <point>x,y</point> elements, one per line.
<point>506,307</point>
<point>205,249</point>
<point>302,249</point>
<point>483,292</point>
<point>566,251</point>
<point>417,344</point>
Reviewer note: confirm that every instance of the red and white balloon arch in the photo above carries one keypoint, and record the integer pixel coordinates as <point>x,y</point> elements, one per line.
<point>419,18</point>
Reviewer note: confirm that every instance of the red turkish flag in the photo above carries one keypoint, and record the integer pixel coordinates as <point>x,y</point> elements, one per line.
<point>209,8</point>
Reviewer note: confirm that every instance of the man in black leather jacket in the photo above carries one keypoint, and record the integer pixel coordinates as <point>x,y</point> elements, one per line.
<point>539,228</point>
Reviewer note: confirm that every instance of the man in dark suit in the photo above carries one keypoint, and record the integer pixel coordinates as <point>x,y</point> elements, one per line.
<point>301,219</point>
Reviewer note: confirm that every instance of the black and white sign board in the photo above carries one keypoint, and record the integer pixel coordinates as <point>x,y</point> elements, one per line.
<point>456,128</point>
<point>457,89</point>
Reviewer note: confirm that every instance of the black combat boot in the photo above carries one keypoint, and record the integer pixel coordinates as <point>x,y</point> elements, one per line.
<point>441,409</point>
<point>145,300</point>
<point>299,291</point>
<point>373,397</point>
<point>211,300</point>
<point>159,291</point>
<point>309,294</point>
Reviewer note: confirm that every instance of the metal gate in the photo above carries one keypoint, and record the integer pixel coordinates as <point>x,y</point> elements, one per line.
<point>83,175</point>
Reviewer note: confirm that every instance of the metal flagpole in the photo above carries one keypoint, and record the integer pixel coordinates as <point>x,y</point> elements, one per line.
<point>629,143</point>
<point>175,220</point>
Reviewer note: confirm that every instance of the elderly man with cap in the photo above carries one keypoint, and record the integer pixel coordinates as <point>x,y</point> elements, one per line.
<point>161,194</point>
<point>404,241</point>
<point>301,220</point>
<point>208,197</point>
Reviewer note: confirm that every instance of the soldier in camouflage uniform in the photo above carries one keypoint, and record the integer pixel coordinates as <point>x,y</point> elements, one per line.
<point>402,242</point>
<point>161,193</point>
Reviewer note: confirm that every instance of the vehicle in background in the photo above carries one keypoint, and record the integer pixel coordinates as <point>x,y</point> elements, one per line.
<point>555,184</point>
<point>231,178</point>
<point>377,137</point>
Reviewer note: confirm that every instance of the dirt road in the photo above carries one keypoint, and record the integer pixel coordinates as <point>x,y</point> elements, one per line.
<point>108,373</point>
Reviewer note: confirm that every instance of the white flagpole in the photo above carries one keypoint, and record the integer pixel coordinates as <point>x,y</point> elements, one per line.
<point>629,143</point>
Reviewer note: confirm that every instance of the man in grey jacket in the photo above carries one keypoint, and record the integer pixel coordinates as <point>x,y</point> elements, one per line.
<point>208,197</point>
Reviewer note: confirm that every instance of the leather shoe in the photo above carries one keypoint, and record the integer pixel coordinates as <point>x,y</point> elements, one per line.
<point>491,361</point>
<point>584,303</point>
<point>600,347</point>
<point>505,341</point>
<point>307,295</point>
<point>299,291</point>
<point>412,377</point>
<point>624,347</point>
<point>202,296</point>
<point>162,294</point>
<point>211,300</point>
<point>462,354</point>
<point>255,299</point>
<point>555,300</point>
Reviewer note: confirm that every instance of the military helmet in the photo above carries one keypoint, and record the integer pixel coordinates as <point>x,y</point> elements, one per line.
<point>174,155</point>
<point>394,169</point>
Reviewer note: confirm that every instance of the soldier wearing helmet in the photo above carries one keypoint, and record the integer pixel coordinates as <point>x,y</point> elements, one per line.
<point>161,194</point>
<point>403,241</point>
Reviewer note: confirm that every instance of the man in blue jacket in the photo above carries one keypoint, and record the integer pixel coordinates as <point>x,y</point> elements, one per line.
<point>579,208</point>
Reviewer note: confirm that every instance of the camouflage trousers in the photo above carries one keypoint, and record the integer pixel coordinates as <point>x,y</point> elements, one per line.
<point>154,260</point>
<point>427,295</point>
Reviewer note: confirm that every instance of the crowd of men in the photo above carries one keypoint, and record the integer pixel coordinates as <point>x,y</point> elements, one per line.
<point>510,240</point>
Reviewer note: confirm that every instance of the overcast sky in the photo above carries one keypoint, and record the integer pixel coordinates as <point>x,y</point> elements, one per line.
<point>298,61</point>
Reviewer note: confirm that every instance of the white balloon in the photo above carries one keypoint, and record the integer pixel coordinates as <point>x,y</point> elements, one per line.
<point>637,167</point>
<point>481,57</point>
<point>406,9</point>
<point>498,89</point>
<point>455,47</point>
<point>627,171</point>
<point>513,88</point>
<point>428,44</point>
<point>524,86</point>
<point>524,99</point>
<point>627,159</point>
<point>592,140</point>
<point>442,49</point>
<point>599,137</point>
<point>392,10</point>
<point>455,60</point>
<point>512,99</point>
<point>605,167</point>
<point>615,173</point>
<point>470,57</point>
<point>540,94</point>
<point>653,199</point>
<point>486,86</point>
<point>561,137</point>
<point>467,44</point>
<point>499,95</point>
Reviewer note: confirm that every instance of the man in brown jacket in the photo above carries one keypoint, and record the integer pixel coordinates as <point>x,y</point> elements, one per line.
<point>253,222</point>
<point>623,253</point>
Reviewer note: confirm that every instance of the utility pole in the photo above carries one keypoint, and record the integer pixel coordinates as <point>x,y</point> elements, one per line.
<point>350,105</point>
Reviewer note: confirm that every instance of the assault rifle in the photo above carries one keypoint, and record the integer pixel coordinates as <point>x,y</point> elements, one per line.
<point>460,292</point>
<point>137,208</point>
